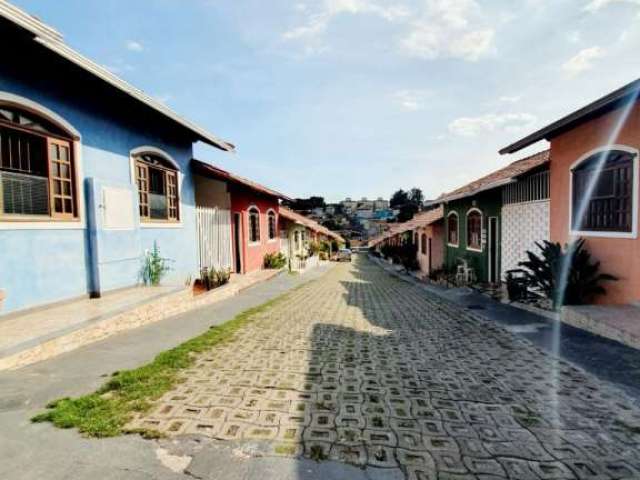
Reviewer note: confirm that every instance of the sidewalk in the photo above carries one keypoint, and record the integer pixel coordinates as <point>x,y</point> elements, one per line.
<point>48,331</point>
<point>607,359</point>
<point>35,451</point>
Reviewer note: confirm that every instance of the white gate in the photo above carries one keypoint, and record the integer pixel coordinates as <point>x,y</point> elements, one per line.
<point>214,238</point>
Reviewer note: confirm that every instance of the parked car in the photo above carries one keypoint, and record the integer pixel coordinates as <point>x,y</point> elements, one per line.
<point>344,255</point>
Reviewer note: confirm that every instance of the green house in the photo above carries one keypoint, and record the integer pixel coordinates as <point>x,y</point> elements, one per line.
<point>473,216</point>
<point>472,234</point>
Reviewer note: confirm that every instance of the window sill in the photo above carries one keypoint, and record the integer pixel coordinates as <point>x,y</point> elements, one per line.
<point>477,250</point>
<point>254,244</point>
<point>273,240</point>
<point>161,225</point>
<point>453,245</point>
<point>40,224</point>
<point>587,233</point>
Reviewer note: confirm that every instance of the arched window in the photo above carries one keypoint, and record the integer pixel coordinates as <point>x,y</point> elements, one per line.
<point>157,180</point>
<point>452,229</point>
<point>423,244</point>
<point>602,192</point>
<point>474,230</point>
<point>37,168</point>
<point>254,225</point>
<point>271,217</point>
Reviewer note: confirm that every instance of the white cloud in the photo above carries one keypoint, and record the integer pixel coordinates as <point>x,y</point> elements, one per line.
<point>508,122</point>
<point>582,61</point>
<point>317,23</point>
<point>450,28</point>
<point>510,98</point>
<point>596,5</point>
<point>134,46</point>
<point>574,36</point>
<point>411,100</point>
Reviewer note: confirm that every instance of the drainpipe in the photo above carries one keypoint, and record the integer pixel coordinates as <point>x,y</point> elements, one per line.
<point>92,206</point>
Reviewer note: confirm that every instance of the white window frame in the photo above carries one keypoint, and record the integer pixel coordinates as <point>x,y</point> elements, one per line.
<point>634,194</point>
<point>275,217</point>
<point>466,230</point>
<point>249,242</point>
<point>79,223</point>
<point>132,173</point>
<point>454,245</point>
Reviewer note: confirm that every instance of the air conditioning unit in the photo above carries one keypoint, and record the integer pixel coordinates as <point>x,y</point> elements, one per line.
<point>23,194</point>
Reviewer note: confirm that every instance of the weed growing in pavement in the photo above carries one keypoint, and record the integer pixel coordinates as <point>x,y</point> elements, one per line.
<point>105,412</point>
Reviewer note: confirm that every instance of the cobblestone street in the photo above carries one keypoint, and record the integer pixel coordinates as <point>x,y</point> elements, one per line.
<point>362,368</point>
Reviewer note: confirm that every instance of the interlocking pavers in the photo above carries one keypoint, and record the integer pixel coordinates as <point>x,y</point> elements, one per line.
<point>362,368</point>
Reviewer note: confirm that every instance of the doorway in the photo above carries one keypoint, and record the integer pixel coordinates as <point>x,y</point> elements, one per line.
<point>237,242</point>
<point>429,252</point>
<point>494,275</point>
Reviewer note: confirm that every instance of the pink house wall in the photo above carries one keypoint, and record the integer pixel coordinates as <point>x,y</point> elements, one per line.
<point>618,256</point>
<point>435,232</point>
<point>253,254</point>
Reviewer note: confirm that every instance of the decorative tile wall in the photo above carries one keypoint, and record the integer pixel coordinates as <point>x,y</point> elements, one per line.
<point>523,224</point>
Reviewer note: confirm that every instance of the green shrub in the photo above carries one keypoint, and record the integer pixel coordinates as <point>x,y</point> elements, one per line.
<point>154,266</point>
<point>275,260</point>
<point>583,281</point>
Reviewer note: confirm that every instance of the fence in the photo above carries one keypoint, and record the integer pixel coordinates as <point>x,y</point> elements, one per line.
<point>214,238</point>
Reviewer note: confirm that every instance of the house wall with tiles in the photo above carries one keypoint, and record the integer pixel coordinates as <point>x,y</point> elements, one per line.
<point>523,224</point>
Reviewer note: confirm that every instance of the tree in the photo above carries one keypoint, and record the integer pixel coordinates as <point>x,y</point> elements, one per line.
<point>408,202</point>
<point>398,199</point>
<point>305,204</point>
<point>416,196</point>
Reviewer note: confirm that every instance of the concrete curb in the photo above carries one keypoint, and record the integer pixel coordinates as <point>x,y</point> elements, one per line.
<point>148,312</point>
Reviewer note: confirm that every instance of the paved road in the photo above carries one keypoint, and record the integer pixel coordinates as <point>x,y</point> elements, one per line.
<point>364,369</point>
<point>358,366</point>
<point>40,451</point>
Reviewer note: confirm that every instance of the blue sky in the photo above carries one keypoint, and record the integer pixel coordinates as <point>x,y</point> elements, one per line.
<point>360,97</point>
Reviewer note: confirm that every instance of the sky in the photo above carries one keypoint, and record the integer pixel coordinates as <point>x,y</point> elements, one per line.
<point>360,97</point>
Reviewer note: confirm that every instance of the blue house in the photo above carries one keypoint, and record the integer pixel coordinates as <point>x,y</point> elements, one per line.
<point>92,173</point>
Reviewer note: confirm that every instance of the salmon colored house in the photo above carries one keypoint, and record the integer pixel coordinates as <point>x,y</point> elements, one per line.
<point>594,184</point>
<point>254,214</point>
<point>426,231</point>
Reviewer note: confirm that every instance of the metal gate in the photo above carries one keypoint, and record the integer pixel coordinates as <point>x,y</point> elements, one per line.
<point>214,238</point>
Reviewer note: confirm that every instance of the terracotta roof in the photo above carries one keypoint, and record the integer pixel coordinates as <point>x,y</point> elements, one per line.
<point>420,220</point>
<point>212,171</point>
<point>498,178</point>
<point>307,222</point>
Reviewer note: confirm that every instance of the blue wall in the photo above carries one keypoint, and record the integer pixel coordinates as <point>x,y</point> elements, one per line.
<point>40,266</point>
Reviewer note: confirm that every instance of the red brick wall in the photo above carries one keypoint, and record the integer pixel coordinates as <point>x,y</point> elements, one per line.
<point>253,255</point>
<point>619,256</point>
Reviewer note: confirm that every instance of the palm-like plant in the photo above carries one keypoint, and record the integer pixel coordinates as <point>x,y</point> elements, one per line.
<point>581,283</point>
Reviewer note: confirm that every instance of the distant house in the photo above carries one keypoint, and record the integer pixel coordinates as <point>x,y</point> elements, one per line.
<point>93,172</point>
<point>425,231</point>
<point>594,184</point>
<point>429,239</point>
<point>477,235</point>
<point>297,232</point>
<point>252,218</point>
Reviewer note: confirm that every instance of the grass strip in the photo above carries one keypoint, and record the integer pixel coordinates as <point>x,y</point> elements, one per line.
<point>105,412</point>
